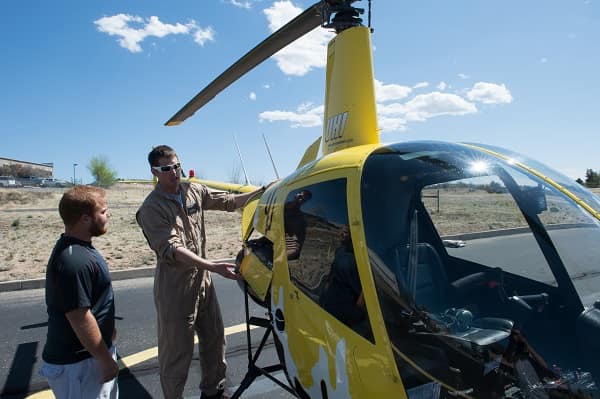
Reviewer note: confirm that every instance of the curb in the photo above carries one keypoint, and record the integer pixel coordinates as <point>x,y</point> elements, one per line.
<point>32,284</point>
<point>136,272</point>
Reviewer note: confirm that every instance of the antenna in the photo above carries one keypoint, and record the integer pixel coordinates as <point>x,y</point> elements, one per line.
<point>370,28</point>
<point>270,156</point>
<point>413,253</point>
<point>242,161</point>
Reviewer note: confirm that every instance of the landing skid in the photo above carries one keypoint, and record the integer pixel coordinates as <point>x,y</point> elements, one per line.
<point>255,371</point>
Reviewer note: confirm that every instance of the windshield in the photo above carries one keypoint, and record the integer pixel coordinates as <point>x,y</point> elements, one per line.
<point>583,193</point>
<point>469,249</point>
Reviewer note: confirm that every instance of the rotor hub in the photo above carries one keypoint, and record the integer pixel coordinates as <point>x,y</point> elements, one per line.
<point>344,15</point>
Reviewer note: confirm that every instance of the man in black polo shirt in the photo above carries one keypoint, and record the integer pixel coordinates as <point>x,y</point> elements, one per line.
<point>79,356</point>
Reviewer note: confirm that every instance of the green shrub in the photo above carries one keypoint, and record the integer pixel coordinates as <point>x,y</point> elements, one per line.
<point>99,168</point>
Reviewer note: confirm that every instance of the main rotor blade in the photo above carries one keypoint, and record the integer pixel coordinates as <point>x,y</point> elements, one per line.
<point>296,28</point>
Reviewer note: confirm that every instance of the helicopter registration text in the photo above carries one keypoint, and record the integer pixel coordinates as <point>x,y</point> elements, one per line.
<point>336,125</point>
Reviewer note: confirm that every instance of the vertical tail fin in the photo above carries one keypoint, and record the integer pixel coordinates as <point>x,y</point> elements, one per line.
<point>310,154</point>
<point>350,111</point>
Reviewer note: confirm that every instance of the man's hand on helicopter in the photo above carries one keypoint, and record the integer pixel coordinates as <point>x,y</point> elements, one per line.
<point>270,184</point>
<point>243,199</point>
<point>265,187</point>
<point>225,269</point>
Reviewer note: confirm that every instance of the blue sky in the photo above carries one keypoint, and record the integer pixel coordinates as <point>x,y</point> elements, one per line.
<point>80,79</point>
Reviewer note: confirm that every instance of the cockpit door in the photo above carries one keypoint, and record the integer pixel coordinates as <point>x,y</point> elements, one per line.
<point>328,328</point>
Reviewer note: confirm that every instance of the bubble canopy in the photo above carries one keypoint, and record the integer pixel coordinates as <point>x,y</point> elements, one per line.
<point>475,249</point>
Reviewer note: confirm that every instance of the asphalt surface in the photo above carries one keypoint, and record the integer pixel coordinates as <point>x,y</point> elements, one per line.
<point>23,325</point>
<point>22,318</point>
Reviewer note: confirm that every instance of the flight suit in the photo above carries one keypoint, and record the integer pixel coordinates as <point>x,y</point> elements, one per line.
<point>184,296</point>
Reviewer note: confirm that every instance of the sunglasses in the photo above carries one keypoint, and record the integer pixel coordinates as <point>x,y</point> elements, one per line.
<point>167,168</point>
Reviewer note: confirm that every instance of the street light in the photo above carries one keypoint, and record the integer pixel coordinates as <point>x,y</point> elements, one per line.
<point>74,181</point>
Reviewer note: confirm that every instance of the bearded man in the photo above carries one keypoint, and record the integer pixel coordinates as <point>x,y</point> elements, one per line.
<point>79,355</point>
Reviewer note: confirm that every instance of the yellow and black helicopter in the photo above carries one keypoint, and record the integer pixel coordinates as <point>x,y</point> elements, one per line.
<point>418,269</point>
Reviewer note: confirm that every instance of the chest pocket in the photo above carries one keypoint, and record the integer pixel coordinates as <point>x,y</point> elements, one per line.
<point>194,212</point>
<point>194,217</point>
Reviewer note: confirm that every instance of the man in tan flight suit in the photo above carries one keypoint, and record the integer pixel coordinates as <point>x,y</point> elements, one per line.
<point>172,219</point>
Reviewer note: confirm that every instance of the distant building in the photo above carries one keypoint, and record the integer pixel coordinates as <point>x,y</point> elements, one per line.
<point>14,167</point>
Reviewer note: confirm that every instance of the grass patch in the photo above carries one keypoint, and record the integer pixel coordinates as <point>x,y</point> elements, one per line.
<point>22,197</point>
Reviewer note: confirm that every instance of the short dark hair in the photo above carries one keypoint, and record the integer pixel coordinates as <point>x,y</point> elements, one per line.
<point>158,152</point>
<point>79,201</point>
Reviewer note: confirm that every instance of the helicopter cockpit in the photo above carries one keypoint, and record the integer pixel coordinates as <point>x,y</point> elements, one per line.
<point>486,272</point>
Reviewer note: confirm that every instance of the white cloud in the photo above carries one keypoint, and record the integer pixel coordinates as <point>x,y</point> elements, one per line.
<point>394,115</point>
<point>241,4</point>
<point>463,76</point>
<point>156,28</point>
<point>307,115</point>
<point>132,30</point>
<point>389,92</point>
<point>442,86</point>
<point>252,96</point>
<point>543,60</point>
<point>490,93</point>
<point>306,107</point>
<point>306,53</point>
<point>266,86</point>
<point>420,85</point>
<point>202,36</point>
<point>391,124</point>
<point>425,106</point>
<point>391,116</point>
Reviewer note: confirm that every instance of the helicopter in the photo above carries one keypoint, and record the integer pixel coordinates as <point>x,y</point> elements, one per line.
<point>419,269</point>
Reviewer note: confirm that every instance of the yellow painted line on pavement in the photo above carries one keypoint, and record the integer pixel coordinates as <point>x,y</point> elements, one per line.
<point>140,357</point>
<point>137,358</point>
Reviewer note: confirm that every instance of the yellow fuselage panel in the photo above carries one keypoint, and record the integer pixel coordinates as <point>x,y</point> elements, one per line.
<point>270,204</point>
<point>317,344</point>
<point>347,158</point>
<point>350,111</point>
<point>256,274</point>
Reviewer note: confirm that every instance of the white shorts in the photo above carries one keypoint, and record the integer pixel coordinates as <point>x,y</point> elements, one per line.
<point>79,380</point>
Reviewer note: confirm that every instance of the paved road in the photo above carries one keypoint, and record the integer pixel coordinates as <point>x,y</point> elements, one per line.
<point>22,318</point>
<point>23,329</point>
<point>520,254</point>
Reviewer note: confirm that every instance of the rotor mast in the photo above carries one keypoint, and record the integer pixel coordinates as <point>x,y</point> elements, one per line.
<point>350,112</point>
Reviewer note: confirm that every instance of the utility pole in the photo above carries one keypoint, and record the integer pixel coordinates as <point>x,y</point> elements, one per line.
<point>74,166</point>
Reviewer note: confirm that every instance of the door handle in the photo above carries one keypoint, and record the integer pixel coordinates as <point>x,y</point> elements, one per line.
<point>279,320</point>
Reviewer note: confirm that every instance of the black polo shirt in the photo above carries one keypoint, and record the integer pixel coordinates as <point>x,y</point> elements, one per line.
<point>76,277</point>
